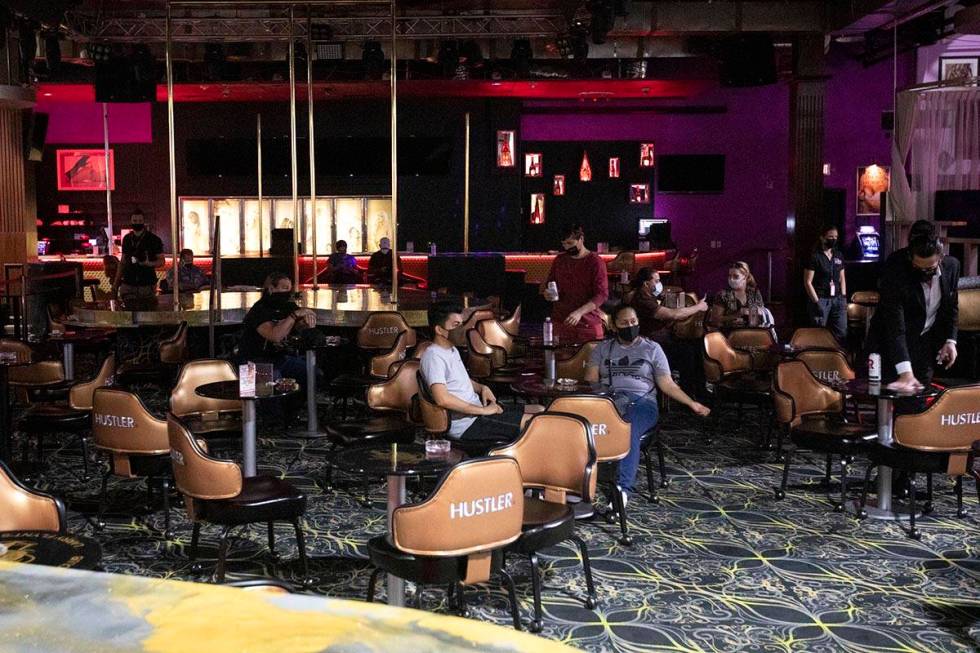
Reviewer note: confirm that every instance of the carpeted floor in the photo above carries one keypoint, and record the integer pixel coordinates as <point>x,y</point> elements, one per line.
<point>718,565</point>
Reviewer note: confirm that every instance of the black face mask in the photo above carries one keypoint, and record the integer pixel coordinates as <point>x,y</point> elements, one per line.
<point>628,334</point>
<point>572,251</point>
<point>281,297</point>
<point>830,243</point>
<point>924,275</point>
<point>138,227</point>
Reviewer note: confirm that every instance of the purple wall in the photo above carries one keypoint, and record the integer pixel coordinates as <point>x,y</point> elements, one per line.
<point>80,123</point>
<point>856,96</point>
<point>750,215</point>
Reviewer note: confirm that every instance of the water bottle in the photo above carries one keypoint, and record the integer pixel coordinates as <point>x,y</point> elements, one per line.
<point>624,277</point>
<point>548,331</point>
<point>432,249</point>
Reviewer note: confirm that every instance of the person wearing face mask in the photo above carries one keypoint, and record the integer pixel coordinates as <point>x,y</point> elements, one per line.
<point>269,322</point>
<point>191,278</point>
<point>730,307</point>
<point>635,367</point>
<point>655,318</point>
<point>825,285</point>
<point>142,254</point>
<point>583,287</point>
<point>379,267</point>
<point>341,266</point>
<point>915,325</point>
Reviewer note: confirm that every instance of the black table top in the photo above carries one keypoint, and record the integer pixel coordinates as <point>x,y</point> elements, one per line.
<point>537,342</point>
<point>375,461</point>
<point>863,388</point>
<point>50,549</point>
<point>85,335</point>
<point>537,386</point>
<point>329,343</point>
<point>229,390</point>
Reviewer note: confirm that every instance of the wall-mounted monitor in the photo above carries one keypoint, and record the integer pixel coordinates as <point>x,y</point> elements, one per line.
<point>654,230</point>
<point>691,173</point>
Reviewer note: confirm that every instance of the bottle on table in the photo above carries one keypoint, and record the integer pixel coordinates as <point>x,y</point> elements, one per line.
<point>548,331</point>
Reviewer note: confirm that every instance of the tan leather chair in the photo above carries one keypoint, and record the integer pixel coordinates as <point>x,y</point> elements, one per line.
<point>381,329</point>
<point>81,396</point>
<point>757,341</point>
<point>171,353</point>
<point>378,359</point>
<point>730,378</point>
<point>497,337</point>
<point>415,355</point>
<point>557,457</point>
<point>512,324</point>
<point>611,434</point>
<point>216,492</point>
<point>173,350</point>
<point>136,443</point>
<point>691,328</point>
<point>969,326</point>
<point>574,367</point>
<point>814,338</point>
<point>380,365</point>
<point>458,335</point>
<point>457,535</point>
<point>39,375</point>
<point>202,415</point>
<point>490,365</point>
<point>831,367</point>
<point>623,261</point>
<point>812,414</point>
<point>25,509</point>
<point>943,439</point>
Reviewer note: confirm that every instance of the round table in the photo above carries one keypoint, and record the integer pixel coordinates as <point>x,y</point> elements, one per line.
<point>5,365</point>
<point>50,549</point>
<point>395,463</point>
<point>884,398</point>
<point>313,419</point>
<point>229,390</point>
<point>69,339</point>
<point>338,306</point>
<point>536,386</point>
<point>549,348</point>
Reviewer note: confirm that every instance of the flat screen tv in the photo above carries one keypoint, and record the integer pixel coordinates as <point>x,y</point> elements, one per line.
<point>691,173</point>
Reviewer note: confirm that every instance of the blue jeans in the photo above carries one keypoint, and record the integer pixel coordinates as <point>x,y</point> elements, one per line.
<point>293,367</point>
<point>642,415</point>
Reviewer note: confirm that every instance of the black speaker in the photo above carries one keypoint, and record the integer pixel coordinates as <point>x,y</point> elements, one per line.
<point>35,132</point>
<point>747,60</point>
<point>282,243</point>
<point>888,121</point>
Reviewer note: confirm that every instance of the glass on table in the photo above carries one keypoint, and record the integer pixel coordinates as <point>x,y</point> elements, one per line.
<point>437,449</point>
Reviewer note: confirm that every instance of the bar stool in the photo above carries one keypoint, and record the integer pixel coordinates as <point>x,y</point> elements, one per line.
<point>136,443</point>
<point>216,492</point>
<point>943,439</point>
<point>611,434</point>
<point>384,338</point>
<point>457,535</point>
<point>811,413</point>
<point>831,366</point>
<point>557,456</point>
<point>26,509</point>
<point>814,338</point>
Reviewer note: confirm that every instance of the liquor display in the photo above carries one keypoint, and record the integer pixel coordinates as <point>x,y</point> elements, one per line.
<point>559,185</point>
<point>639,193</point>
<point>614,167</point>
<point>646,155</point>
<point>537,208</point>
<point>505,149</point>
<point>585,170</point>
<point>532,164</point>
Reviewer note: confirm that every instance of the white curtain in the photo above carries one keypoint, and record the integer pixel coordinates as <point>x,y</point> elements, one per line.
<point>901,202</point>
<point>943,149</point>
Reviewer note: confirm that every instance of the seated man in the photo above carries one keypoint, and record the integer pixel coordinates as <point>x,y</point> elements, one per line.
<point>379,267</point>
<point>655,318</point>
<point>191,278</point>
<point>475,411</point>
<point>341,266</point>
<point>635,367</point>
<point>269,322</point>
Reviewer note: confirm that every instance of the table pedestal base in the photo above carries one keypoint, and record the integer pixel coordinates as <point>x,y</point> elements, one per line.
<point>892,513</point>
<point>312,431</point>
<point>248,437</point>
<point>396,496</point>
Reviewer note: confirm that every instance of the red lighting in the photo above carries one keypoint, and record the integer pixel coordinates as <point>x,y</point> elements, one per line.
<point>64,208</point>
<point>585,171</point>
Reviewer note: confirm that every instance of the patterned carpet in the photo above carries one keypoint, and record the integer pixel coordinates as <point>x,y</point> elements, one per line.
<point>718,565</point>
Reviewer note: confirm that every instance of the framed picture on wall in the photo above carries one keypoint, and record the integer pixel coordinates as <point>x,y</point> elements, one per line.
<point>537,208</point>
<point>958,69</point>
<point>646,155</point>
<point>559,185</point>
<point>505,149</point>
<point>614,167</point>
<point>872,181</point>
<point>84,169</point>
<point>532,164</point>
<point>639,193</point>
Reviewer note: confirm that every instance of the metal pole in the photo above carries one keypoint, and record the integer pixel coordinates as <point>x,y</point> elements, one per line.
<point>394,158</point>
<point>309,109</point>
<point>258,139</point>
<point>466,188</point>
<point>174,236</point>
<point>108,181</point>
<point>292,149</point>
<point>215,290</point>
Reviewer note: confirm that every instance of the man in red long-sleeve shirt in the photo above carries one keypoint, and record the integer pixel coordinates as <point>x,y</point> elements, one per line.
<point>583,288</point>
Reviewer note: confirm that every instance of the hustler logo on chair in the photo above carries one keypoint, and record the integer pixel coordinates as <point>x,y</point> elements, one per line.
<point>380,331</point>
<point>118,421</point>
<point>598,429</point>
<point>481,506</point>
<point>960,419</point>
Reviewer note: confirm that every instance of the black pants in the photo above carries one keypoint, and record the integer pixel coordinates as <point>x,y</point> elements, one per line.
<point>922,356</point>
<point>505,427</point>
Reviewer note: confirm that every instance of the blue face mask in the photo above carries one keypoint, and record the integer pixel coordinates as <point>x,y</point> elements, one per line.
<point>658,288</point>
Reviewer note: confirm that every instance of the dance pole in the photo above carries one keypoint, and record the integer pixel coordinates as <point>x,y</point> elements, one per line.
<point>214,296</point>
<point>258,153</point>
<point>394,159</point>
<point>108,180</point>
<point>466,189</point>
<point>292,149</point>
<point>174,237</point>
<point>309,109</point>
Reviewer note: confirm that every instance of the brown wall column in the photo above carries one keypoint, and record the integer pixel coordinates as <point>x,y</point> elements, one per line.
<point>18,231</point>
<point>806,122</point>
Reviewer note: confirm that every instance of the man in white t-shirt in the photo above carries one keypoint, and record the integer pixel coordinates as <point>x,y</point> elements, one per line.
<point>476,415</point>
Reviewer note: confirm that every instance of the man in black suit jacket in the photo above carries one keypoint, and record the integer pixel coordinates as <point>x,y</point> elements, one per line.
<point>916,321</point>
